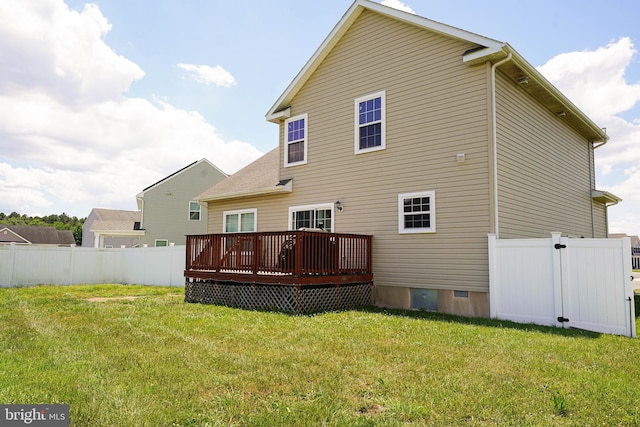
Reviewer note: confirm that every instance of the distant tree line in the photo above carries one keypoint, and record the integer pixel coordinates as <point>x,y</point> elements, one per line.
<point>59,222</point>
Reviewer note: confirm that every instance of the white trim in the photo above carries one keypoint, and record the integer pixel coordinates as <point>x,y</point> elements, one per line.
<point>481,56</point>
<point>304,140</point>
<point>141,209</point>
<point>356,122</point>
<point>199,211</point>
<point>605,197</point>
<point>319,206</point>
<point>283,114</point>
<point>239,212</point>
<point>432,212</point>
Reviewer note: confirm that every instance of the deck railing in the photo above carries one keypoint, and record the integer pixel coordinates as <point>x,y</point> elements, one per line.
<point>286,253</point>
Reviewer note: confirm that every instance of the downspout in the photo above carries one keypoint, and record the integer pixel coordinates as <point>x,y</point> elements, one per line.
<point>494,142</point>
<point>592,182</point>
<point>592,178</point>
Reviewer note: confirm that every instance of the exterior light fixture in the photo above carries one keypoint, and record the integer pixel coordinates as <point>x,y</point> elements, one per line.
<point>339,206</point>
<point>561,113</point>
<point>523,80</point>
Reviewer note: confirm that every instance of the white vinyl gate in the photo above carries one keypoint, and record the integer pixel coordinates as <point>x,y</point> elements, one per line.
<point>567,282</point>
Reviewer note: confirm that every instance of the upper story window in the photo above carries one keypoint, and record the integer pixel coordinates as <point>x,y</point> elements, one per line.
<point>194,211</point>
<point>295,137</point>
<point>311,216</point>
<point>417,212</point>
<point>370,123</point>
<point>241,221</point>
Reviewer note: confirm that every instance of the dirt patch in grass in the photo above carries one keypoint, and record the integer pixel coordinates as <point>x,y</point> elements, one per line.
<point>124,298</point>
<point>373,409</point>
<point>105,299</point>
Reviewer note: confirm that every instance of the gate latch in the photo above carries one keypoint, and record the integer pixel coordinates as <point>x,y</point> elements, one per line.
<point>562,319</point>
<point>559,246</point>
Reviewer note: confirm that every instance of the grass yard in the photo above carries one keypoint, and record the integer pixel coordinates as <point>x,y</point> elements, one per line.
<point>157,361</point>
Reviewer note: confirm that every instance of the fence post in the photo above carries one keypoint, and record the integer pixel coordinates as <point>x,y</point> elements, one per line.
<point>558,301</point>
<point>171,256</point>
<point>12,264</point>
<point>72,263</point>
<point>493,286</point>
<point>627,275</point>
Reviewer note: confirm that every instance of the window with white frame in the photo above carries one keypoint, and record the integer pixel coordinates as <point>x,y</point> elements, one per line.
<point>240,221</point>
<point>295,137</point>
<point>417,212</point>
<point>370,123</point>
<point>194,211</point>
<point>311,216</point>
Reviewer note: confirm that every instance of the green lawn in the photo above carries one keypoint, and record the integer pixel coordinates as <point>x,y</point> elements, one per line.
<point>157,361</point>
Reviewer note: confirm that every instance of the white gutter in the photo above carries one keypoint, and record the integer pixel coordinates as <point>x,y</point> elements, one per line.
<point>495,142</point>
<point>606,139</point>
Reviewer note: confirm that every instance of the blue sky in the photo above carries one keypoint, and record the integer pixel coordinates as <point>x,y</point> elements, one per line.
<point>97,102</point>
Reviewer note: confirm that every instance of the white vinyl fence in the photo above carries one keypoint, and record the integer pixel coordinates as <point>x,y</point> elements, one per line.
<point>566,282</point>
<point>34,265</point>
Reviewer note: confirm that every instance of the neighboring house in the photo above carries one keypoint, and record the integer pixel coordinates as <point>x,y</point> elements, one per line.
<point>169,209</point>
<point>635,241</point>
<point>427,137</point>
<point>635,248</point>
<point>112,228</point>
<point>35,235</point>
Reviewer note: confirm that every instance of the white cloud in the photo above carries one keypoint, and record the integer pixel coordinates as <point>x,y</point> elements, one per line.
<point>208,75</point>
<point>47,48</point>
<point>20,191</point>
<point>397,4</point>
<point>69,135</point>
<point>595,82</point>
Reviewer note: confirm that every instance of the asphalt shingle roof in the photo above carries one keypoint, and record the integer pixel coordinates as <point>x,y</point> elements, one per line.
<point>36,235</point>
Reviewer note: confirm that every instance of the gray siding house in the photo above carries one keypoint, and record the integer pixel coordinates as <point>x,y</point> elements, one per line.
<point>427,137</point>
<point>111,228</point>
<point>168,208</point>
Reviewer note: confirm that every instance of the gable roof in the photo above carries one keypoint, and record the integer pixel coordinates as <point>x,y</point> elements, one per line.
<point>178,172</point>
<point>257,178</point>
<point>487,50</point>
<point>37,235</point>
<point>116,215</point>
<point>116,222</point>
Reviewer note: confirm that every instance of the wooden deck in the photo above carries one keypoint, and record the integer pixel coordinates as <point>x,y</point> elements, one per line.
<point>293,271</point>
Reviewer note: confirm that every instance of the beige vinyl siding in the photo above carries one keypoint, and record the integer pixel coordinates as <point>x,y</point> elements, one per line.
<point>272,212</point>
<point>600,220</point>
<point>435,109</point>
<point>544,178</point>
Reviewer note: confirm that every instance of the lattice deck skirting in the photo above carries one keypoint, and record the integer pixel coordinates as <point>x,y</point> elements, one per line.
<point>296,299</point>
